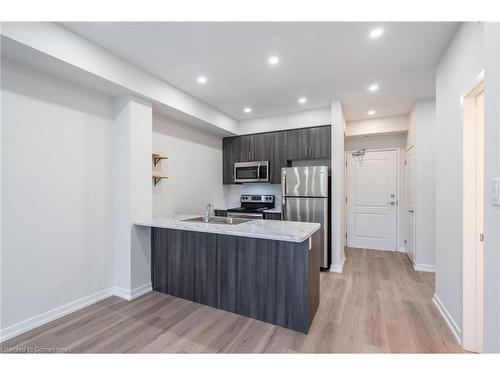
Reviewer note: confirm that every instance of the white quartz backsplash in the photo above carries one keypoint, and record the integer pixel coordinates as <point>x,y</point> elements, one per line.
<point>231,194</point>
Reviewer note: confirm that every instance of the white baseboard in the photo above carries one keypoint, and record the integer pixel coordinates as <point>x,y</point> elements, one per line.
<point>31,323</point>
<point>338,267</point>
<point>424,267</point>
<point>129,295</point>
<point>402,249</point>
<point>447,318</point>
<point>56,313</point>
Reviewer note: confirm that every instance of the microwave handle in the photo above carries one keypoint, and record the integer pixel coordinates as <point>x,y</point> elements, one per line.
<point>258,172</point>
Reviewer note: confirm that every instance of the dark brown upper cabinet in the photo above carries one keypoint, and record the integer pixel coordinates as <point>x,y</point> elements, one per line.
<point>309,143</point>
<point>277,148</point>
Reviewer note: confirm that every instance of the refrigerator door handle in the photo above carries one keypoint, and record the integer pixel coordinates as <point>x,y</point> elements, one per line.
<point>283,208</point>
<point>283,183</point>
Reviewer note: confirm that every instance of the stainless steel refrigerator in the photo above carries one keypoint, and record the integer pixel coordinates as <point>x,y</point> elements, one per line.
<point>305,198</point>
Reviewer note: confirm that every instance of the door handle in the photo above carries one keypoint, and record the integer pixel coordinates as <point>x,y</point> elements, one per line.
<point>411,211</point>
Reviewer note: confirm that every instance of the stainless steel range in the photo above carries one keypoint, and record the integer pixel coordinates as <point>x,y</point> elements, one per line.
<point>252,206</point>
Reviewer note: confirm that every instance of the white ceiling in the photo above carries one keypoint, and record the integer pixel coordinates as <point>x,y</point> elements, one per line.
<point>320,61</point>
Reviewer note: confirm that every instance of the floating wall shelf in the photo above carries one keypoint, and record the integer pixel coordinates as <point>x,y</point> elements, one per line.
<point>157,179</point>
<point>157,158</point>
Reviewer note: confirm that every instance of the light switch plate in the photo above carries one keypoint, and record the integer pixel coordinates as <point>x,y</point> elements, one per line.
<point>495,192</point>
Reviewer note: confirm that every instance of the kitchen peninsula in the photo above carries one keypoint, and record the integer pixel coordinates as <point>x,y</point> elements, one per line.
<point>266,270</point>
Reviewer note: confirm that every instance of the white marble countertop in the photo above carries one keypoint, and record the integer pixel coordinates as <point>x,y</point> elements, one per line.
<point>271,210</point>
<point>290,231</point>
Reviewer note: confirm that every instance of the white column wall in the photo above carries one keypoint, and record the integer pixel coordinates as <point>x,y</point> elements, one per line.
<point>338,193</point>
<point>132,195</point>
<point>492,170</point>
<point>421,134</point>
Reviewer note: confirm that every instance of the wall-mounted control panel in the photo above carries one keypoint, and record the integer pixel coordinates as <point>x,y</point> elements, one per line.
<point>495,191</point>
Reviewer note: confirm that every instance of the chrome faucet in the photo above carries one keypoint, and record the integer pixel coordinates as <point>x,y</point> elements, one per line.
<point>207,212</point>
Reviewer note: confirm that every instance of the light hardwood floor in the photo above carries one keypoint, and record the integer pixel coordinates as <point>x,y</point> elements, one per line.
<point>378,304</point>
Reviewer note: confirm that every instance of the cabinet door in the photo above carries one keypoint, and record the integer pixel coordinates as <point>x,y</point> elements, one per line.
<point>184,264</point>
<point>242,148</point>
<point>320,142</point>
<point>262,147</point>
<point>279,159</point>
<point>228,160</point>
<point>298,144</point>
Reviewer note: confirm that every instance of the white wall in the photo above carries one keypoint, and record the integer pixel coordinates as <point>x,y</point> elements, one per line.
<point>460,64</point>
<point>379,142</point>
<point>56,194</point>
<point>412,129</point>
<point>338,186</point>
<point>492,170</point>
<point>193,167</point>
<point>424,114</point>
<point>300,119</point>
<point>383,125</point>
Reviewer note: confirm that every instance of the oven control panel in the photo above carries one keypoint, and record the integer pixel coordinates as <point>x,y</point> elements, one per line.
<point>257,198</point>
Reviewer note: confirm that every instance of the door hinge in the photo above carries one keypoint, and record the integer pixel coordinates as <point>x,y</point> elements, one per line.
<point>346,199</point>
<point>481,237</point>
<point>405,162</point>
<point>346,163</point>
<point>405,241</point>
<point>346,236</point>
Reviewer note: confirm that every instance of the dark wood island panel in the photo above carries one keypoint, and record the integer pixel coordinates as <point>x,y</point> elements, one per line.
<point>273,281</point>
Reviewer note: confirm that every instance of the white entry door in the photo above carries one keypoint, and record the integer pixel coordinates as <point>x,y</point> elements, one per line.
<point>372,200</point>
<point>410,204</point>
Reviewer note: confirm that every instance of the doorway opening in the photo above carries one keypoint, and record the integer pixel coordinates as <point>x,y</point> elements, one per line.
<point>473,216</point>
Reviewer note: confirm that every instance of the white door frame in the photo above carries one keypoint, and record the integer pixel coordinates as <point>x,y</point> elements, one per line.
<point>398,193</point>
<point>473,205</point>
<point>412,148</point>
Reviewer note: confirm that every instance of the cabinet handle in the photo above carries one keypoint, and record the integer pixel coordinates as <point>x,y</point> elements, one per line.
<point>305,151</point>
<point>310,152</point>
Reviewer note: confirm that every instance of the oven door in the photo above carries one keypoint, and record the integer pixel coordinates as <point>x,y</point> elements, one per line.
<point>246,215</point>
<point>253,171</point>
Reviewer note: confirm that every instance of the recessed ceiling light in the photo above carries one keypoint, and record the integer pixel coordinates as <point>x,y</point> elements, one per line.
<point>371,112</point>
<point>274,60</point>
<point>247,110</point>
<point>202,80</point>
<point>302,100</point>
<point>375,33</point>
<point>373,88</point>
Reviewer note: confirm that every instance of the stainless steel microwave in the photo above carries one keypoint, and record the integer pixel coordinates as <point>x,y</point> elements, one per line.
<point>251,171</point>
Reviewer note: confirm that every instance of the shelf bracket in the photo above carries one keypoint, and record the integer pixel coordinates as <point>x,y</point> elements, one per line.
<point>157,179</point>
<point>157,158</point>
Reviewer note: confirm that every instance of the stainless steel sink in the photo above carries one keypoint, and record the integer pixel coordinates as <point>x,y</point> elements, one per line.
<point>219,220</point>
